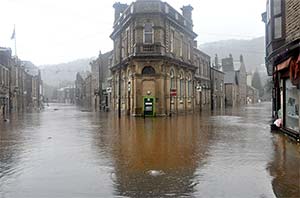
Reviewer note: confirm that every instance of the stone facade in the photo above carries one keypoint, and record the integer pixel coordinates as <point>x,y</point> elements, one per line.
<point>252,95</point>
<point>101,81</point>
<point>292,24</point>
<point>20,85</point>
<point>155,53</point>
<point>5,59</point>
<point>235,81</point>
<point>217,89</point>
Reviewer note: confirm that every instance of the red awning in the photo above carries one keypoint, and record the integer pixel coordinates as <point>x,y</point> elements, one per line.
<point>298,60</point>
<point>295,70</point>
<point>283,65</point>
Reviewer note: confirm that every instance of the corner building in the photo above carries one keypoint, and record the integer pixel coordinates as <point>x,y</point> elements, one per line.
<point>282,20</point>
<point>155,58</point>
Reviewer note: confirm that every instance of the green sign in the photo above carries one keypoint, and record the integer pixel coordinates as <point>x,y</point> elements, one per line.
<point>149,106</point>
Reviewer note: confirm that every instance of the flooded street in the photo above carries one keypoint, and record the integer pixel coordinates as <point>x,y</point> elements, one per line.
<point>65,152</point>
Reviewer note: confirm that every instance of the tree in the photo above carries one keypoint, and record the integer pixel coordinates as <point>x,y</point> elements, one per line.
<point>256,83</point>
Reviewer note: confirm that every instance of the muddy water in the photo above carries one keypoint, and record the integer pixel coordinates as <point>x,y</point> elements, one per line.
<point>70,153</point>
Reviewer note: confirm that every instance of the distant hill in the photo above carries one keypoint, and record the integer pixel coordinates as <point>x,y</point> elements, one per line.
<point>253,51</point>
<point>64,73</point>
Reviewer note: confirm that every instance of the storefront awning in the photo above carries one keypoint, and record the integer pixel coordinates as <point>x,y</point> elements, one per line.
<point>298,60</point>
<point>283,65</point>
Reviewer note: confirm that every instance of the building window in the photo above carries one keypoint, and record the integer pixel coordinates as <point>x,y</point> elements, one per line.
<point>268,37</point>
<point>148,33</point>
<point>172,40</point>
<point>181,45</point>
<point>148,70</point>
<point>292,97</point>
<point>166,8</point>
<point>189,86</point>
<point>277,27</point>
<point>127,42</point>
<point>276,7</point>
<point>181,85</point>
<point>172,77</point>
<point>221,86</point>
<point>189,51</point>
<point>268,11</point>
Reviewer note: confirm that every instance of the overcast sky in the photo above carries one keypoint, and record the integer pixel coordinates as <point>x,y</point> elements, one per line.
<point>54,31</point>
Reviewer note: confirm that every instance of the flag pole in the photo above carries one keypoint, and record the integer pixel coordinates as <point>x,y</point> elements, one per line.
<point>15,38</point>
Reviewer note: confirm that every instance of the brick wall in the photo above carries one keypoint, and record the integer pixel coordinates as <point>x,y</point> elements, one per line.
<point>292,20</point>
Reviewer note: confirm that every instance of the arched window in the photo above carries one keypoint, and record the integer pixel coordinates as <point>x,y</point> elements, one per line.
<point>148,70</point>
<point>172,79</point>
<point>181,85</point>
<point>189,80</point>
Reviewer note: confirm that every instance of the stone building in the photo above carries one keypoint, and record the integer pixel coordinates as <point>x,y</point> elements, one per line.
<point>5,62</point>
<point>252,93</point>
<point>217,88</point>
<point>282,19</point>
<point>235,81</point>
<point>17,84</point>
<point>20,84</point>
<point>155,67</point>
<point>101,79</point>
<point>84,93</point>
<point>32,86</point>
<point>202,80</point>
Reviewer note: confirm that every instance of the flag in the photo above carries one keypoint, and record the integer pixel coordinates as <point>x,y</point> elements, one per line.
<point>13,35</point>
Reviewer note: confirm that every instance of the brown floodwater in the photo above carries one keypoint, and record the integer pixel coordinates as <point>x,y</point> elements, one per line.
<point>65,152</point>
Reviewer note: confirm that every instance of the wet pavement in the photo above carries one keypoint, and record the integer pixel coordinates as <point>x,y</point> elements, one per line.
<point>71,153</point>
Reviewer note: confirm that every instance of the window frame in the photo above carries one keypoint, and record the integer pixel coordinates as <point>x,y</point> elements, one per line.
<point>148,33</point>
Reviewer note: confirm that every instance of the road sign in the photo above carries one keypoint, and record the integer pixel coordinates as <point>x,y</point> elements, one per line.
<point>173,92</point>
<point>108,89</point>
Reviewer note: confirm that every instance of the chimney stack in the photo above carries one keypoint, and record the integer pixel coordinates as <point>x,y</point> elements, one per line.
<point>119,9</point>
<point>241,58</point>
<point>187,12</point>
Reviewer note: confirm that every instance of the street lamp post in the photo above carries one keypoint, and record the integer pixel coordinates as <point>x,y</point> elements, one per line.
<point>100,79</point>
<point>120,69</point>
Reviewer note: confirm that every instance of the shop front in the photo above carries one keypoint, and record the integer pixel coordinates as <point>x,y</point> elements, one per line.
<point>287,94</point>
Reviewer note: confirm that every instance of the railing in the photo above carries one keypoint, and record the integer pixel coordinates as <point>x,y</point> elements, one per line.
<point>151,49</point>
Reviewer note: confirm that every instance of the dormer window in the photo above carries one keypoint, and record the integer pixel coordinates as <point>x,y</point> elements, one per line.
<point>148,33</point>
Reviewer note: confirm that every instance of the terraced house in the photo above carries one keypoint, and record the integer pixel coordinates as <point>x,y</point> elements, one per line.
<point>5,57</point>
<point>156,66</point>
<point>20,85</point>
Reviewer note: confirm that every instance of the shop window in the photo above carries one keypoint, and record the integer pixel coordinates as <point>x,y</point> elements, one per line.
<point>292,96</point>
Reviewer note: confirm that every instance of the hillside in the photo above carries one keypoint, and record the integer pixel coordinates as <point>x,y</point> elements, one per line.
<point>253,51</point>
<point>64,73</point>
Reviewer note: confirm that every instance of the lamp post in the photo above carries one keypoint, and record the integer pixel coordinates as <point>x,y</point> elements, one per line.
<point>100,79</point>
<point>120,69</point>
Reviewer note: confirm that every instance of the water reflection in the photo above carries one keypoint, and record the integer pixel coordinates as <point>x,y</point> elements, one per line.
<point>169,146</point>
<point>285,167</point>
<point>69,153</point>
